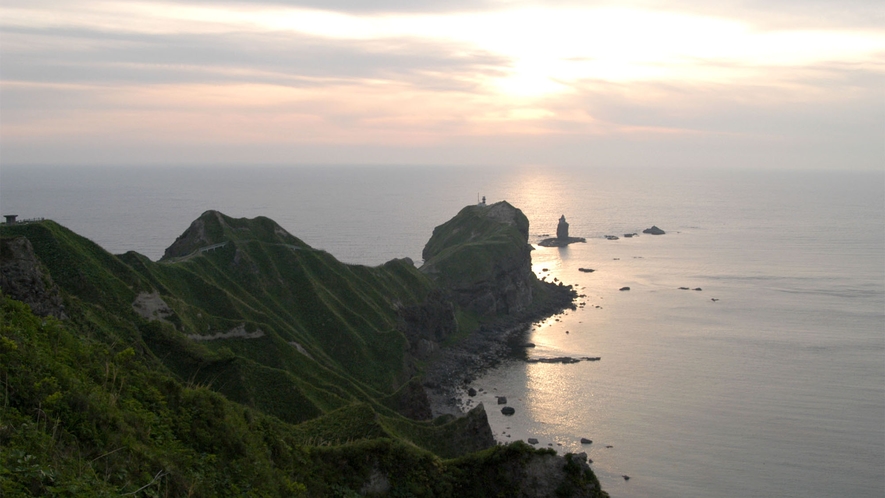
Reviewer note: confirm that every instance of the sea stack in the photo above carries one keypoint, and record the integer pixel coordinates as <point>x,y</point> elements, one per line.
<point>562,239</point>
<point>562,228</point>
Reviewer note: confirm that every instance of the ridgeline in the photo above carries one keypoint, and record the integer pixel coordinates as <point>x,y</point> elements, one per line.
<point>246,363</point>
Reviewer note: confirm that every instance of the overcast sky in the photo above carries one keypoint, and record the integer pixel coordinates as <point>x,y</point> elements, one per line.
<point>762,84</point>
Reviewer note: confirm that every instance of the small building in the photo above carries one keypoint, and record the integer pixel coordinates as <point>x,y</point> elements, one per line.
<point>10,218</point>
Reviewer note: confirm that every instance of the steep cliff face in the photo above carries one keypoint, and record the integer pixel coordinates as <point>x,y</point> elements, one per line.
<point>482,258</point>
<point>22,278</point>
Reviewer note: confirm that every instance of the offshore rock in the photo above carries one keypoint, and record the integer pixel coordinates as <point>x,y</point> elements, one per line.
<point>562,228</point>
<point>562,239</point>
<point>561,242</point>
<point>22,278</point>
<point>482,258</point>
<point>654,231</point>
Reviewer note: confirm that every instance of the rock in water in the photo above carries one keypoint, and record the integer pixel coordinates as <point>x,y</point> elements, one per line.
<point>502,400</point>
<point>508,410</point>
<point>532,440</point>
<point>562,228</point>
<point>562,239</point>
<point>586,441</point>
<point>654,231</point>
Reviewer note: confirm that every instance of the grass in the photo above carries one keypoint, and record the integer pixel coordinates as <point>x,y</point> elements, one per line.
<point>108,403</point>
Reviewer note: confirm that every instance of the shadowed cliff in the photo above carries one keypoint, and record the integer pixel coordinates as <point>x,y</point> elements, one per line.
<point>483,259</point>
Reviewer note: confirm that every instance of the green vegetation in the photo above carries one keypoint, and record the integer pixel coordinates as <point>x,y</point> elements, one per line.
<point>260,368</point>
<point>475,243</point>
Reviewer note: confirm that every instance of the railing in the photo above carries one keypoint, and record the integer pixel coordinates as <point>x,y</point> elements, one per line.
<point>24,221</point>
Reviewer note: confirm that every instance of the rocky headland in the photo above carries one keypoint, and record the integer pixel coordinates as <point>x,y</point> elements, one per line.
<point>279,362</point>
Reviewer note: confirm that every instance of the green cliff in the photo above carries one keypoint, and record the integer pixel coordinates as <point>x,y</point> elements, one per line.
<point>243,363</point>
<point>483,258</point>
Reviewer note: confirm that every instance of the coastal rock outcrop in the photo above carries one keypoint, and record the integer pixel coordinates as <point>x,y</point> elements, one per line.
<point>482,258</point>
<point>562,238</point>
<point>562,228</point>
<point>22,278</point>
<point>654,230</point>
<point>427,324</point>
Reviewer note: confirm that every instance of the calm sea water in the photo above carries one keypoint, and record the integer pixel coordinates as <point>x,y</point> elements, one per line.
<point>775,389</point>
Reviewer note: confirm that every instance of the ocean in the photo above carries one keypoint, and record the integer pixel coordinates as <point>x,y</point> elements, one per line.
<point>769,381</point>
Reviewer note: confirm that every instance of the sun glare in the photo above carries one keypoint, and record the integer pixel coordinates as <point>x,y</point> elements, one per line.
<point>545,49</point>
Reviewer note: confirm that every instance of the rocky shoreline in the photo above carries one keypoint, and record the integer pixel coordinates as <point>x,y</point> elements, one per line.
<point>454,367</point>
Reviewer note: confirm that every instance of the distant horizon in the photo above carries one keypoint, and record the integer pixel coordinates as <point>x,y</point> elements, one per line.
<point>781,84</point>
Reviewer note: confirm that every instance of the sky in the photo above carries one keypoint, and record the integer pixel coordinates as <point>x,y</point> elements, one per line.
<point>734,83</point>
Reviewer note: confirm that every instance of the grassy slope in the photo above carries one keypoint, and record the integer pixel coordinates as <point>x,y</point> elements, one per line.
<point>466,248</point>
<point>341,314</point>
<point>80,417</point>
<point>109,381</point>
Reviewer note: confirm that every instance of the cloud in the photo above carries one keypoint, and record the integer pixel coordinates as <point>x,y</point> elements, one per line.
<point>272,82</point>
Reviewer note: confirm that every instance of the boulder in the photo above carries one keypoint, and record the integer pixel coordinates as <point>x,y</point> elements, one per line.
<point>532,440</point>
<point>508,410</point>
<point>471,392</point>
<point>502,400</point>
<point>654,231</point>
<point>586,441</point>
<point>624,288</point>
